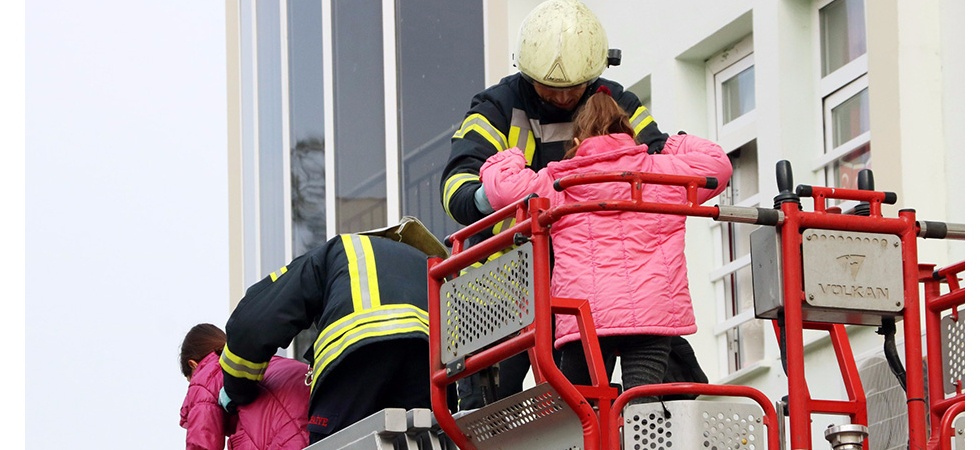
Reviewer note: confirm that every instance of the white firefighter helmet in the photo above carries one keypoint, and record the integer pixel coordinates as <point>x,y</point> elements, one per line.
<point>562,44</point>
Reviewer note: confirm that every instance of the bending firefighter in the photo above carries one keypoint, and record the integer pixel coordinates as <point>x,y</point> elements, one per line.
<point>367,296</point>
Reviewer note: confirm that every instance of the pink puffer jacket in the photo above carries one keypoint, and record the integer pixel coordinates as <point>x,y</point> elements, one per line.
<point>630,266</point>
<point>277,418</point>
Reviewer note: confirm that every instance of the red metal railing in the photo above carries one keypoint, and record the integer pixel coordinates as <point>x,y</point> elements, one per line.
<point>532,220</point>
<point>802,405</point>
<point>942,410</point>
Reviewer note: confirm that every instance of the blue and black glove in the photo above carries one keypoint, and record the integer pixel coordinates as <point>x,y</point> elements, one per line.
<point>482,202</point>
<point>226,402</point>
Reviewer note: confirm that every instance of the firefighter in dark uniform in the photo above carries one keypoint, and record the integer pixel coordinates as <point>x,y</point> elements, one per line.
<point>367,296</point>
<point>562,51</point>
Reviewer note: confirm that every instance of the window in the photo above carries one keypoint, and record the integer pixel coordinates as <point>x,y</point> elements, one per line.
<point>306,139</point>
<point>844,92</point>
<point>339,137</point>
<point>306,126</point>
<point>737,91</point>
<point>848,137</point>
<point>433,100</point>
<point>731,83</point>
<point>360,170</point>
<point>743,333</point>
<point>271,160</point>
<point>842,37</point>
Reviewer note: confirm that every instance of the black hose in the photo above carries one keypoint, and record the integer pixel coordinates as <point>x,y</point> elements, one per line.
<point>887,329</point>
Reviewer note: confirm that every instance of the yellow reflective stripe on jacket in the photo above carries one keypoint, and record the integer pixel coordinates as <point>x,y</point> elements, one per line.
<point>363,272</point>
<point>275,276</point>
<point>385,320</point>
<point>641,118</point>
<point>453,184</point>
<point>522,138</point>
<point>480,124</point>
<point>521,134</point>
<point>240,367</point>
<point>499,227</point>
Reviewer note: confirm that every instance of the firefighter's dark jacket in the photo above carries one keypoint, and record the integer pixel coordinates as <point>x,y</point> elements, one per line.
<point>511,114</point>
<point>357,289</point>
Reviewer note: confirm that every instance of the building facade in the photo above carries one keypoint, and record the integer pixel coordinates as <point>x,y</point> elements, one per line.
<point>342,110</point>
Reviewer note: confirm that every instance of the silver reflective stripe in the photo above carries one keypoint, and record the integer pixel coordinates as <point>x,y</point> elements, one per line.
<point>453,184</point>
<point>350,320</point>
<point>552,132</point>
<point>378,329</point>
<point>383,321</point>
<point>480,124</point>
<point>519,120</point>
<point>364,271</point>
<point>361,274</point>
<point>642,115</point>
<point>239,370</point>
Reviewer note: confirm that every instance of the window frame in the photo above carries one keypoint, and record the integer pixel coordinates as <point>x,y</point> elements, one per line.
<point>731,136</point>
<point>720,68</point>
<point>830,102</point>
<point>833,90</point>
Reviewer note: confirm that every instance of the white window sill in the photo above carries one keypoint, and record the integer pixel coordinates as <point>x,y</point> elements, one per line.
<point>755,369</point>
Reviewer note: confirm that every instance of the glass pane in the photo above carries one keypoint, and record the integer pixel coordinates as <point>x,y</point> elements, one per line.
<point>359,115</point>
<point>751,342</point>
<point>250,183</point>
<point>745,172</point>
<point>734,350</point>
<point>738,95</point>
<point>842,34</point>
<point>851,118</point>
<point>272,185</point>
<point>309,215</point>
<point>845,170</point>
<point>743,283</point>
<point>738,292</point>
<point>745,341</point>
<point>431,99</point>
<point>735,240</point>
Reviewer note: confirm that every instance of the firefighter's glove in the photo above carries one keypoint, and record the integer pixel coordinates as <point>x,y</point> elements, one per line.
<point>226,403</point>
<point>482,202</point>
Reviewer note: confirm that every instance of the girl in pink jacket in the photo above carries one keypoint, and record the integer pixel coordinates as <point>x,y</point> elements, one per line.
<point>277,419</point>
<point>630,266</point>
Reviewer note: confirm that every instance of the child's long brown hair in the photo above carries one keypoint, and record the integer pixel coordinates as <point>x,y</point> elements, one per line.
<point>202,339</point>
<point>598,116</point>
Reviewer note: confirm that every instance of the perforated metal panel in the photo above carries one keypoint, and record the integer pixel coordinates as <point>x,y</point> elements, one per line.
<point>693,424</point>
<point>954,351</point>
<point>535,419</point>
<point>487,303</point>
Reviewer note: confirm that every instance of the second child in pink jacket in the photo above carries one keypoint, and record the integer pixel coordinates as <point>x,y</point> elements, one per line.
<point>630,266</point>
<point>276,420</point>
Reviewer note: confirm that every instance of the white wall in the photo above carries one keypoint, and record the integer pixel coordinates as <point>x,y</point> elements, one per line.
<point>126,216</point>
<point>667,39</point>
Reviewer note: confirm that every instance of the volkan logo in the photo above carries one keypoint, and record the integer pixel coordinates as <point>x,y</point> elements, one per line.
<point>852,263</point>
